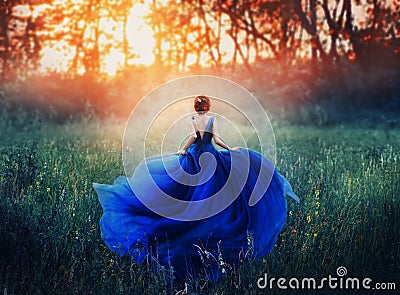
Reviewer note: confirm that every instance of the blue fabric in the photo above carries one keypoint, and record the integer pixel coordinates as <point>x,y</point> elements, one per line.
<point>200,247</point>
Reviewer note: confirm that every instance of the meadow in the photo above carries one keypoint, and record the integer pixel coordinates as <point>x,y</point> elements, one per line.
<point>347,176</point>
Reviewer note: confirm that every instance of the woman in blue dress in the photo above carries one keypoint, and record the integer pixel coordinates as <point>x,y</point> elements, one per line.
<point>225,203</point>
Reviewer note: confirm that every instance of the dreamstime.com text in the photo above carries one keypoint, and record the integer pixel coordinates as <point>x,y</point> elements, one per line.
<point>339,282</point>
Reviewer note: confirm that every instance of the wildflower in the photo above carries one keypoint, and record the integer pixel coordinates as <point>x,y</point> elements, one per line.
<point>308,218</point>
<point>315,235</point>
<point>48,189</point>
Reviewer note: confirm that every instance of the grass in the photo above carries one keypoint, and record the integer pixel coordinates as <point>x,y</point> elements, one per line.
<point>347,177</point>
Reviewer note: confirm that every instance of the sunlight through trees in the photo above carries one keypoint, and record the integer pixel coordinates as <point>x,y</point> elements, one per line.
<point>76,37</point>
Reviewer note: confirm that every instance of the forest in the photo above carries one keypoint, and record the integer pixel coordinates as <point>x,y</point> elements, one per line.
<point>69,56</point>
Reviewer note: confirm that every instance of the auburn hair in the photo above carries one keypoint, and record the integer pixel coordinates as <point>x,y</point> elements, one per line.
<point>202,103</point>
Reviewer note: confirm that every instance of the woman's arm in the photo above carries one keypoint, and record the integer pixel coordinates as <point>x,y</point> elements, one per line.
<point>191,139</point>
<point>218,140</point>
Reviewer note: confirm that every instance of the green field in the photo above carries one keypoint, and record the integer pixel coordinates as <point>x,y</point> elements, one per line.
<point>347,177</point>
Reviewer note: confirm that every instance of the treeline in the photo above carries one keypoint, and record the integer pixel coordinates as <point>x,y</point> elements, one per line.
<point>305,59</point>
<point>196,32</point>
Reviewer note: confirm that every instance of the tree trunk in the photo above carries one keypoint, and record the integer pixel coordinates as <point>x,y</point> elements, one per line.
<point>5,12</point>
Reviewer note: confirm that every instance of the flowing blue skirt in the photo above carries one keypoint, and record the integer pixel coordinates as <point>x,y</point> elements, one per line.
<point>203,246</point>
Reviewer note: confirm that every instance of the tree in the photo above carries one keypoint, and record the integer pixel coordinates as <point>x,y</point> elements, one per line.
<point>19,44</point>
<point>379,36</point>
<point>5,16</point>
<point>190,32</point>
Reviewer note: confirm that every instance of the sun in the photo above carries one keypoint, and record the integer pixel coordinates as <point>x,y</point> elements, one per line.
<point>57,56</point>
<point>121,44</point>
<point>140,39</point>
<point>140,35</point>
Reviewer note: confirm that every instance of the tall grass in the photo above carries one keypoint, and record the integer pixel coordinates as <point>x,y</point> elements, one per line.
<point>346,176</point>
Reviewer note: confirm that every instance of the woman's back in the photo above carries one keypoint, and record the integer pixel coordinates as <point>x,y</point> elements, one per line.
<point>202,126</point>
<point>200,122</point>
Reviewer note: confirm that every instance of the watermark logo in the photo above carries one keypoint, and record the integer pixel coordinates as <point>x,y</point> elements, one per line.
<point>339,282</point>
<point>341,271</point>
<point>163,111</point>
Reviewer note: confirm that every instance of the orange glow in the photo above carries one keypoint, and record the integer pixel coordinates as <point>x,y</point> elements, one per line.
<point>351,56</point>
<point>140,35</point>
<point>55,58</point>
<point>113,61</point>
<point>21,11</point>
<point>58,55</point>
<point>136,39</point>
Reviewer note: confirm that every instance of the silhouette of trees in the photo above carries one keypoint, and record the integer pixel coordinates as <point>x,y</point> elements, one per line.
<point>283,30</point>
<point>19,41</point>
<point>81,32</point>
<point>379,37</point>
<point>194,33</point>
<point>88,29</point>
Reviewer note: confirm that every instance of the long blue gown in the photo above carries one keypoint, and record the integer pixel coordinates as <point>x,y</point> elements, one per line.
<point>203,247</point>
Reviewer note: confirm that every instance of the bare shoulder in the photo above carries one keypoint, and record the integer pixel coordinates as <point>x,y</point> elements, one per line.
<point>214,126</point>
<point>214,120</point>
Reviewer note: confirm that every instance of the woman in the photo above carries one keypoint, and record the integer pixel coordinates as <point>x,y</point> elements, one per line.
<point>233,203</point>
<point>202,106</point>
